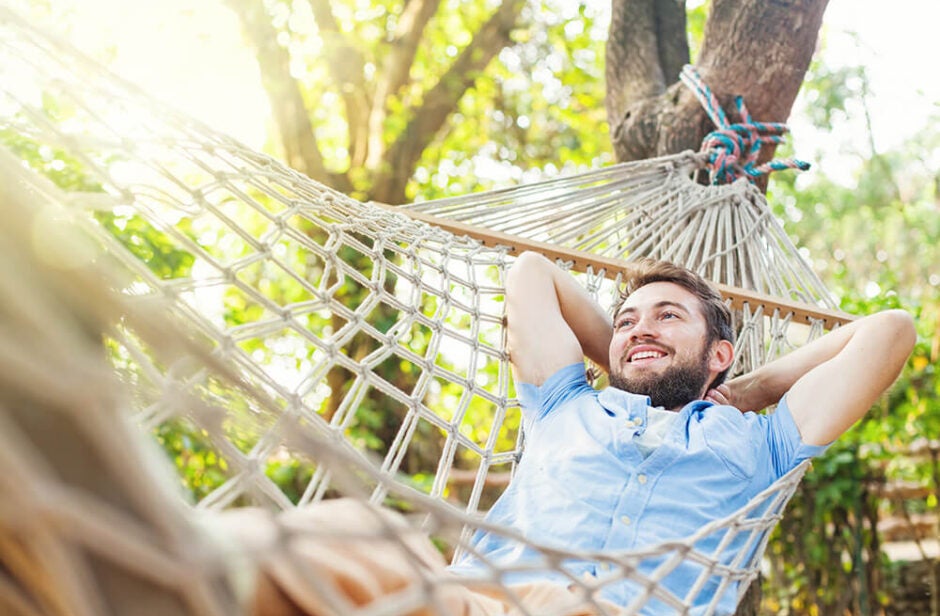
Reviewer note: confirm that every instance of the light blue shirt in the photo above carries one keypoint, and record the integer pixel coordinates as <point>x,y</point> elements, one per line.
<point>582,484</point>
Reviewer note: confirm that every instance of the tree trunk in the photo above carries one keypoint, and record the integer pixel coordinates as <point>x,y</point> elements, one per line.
<point>759,49</point>
<point>750,602</point>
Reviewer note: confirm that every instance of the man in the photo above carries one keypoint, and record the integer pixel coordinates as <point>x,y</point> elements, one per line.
<point>123,545</point>
<point>667,447</point>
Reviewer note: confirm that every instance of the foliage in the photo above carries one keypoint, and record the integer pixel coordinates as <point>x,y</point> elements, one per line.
<point>695,24</point>
<point>827,555</point>
<point>538,103</point>
<point>538,109</point>
<point>55,163</point>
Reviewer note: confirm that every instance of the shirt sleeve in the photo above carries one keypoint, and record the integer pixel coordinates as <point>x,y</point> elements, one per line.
<point>787,448</point>
<point>566,384</point>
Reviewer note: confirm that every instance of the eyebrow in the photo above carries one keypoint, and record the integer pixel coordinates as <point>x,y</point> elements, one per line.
<point>660,304</point>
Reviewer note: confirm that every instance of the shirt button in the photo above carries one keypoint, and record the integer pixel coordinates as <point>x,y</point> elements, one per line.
<point>625,519</point>
<point>641,478</point>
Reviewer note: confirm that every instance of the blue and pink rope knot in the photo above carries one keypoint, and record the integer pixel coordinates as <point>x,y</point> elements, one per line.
<point>733,148</point>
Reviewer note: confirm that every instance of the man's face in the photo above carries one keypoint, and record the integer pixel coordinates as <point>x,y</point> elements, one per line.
<point>659,346</point>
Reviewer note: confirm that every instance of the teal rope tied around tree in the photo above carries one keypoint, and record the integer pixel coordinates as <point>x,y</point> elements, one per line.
<point>733,148</point>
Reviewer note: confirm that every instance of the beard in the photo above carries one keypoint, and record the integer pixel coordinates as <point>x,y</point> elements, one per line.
<point>671,389</point>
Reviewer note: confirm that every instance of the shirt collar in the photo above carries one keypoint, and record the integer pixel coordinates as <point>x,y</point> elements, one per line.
<point>620,402</point>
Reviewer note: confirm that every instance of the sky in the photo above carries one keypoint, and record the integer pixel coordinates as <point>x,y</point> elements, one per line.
<point>191,53</point>
<point>891,44</point>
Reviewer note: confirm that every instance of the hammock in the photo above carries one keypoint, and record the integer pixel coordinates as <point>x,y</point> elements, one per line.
<point>262,318</point>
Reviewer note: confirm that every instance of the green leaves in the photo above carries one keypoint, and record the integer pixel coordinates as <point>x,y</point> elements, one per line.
<point>873,237</point>
<point>155,248</point>
<point>539,105</point>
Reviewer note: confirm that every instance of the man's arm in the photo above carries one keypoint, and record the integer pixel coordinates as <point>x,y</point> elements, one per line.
<point>553,322</point>
<point>831,382</point>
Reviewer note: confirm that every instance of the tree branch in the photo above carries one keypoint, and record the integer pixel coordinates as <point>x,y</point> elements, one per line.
<point>396,69</point>
<point>287,104</point>
<point>346,67</point>
<point>404,44</point>
<point>672,43</point>
<point>441,100</point>
<point>632,68</point>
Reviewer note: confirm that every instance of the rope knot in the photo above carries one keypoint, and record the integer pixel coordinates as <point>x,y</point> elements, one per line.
<point>733,148</point>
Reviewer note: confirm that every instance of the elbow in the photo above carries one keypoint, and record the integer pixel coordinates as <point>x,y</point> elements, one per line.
<point>528,259</point>
<point>901,324</point>
<point>524,267</point>
<point>520,277</point>
<point>899,334</point>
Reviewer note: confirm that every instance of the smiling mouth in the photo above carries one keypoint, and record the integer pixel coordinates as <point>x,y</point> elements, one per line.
<point>645,356</point>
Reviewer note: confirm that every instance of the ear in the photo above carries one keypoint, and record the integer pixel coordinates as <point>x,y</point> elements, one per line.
<point>722,356</point>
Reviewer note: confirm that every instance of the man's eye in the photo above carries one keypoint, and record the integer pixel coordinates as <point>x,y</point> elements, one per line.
<point>670,315</point>
<point>624,323</point>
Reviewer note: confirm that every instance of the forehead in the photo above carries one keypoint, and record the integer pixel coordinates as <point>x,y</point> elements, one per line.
<point>656,294</point>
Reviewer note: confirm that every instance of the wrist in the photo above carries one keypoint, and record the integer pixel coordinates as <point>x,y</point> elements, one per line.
<point>747,393</point>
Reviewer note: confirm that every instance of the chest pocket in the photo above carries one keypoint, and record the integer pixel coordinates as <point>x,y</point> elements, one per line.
<point>733,437</point>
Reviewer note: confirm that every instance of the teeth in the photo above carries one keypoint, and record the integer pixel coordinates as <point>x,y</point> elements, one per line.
<point>645,355</point>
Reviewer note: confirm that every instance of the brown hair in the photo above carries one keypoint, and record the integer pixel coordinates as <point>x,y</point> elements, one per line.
<point>716,312</point>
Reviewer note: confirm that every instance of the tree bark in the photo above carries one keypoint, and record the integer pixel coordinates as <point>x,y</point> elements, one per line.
<point>759,49</point>
<point>644,52</point>
<point>750,602</point>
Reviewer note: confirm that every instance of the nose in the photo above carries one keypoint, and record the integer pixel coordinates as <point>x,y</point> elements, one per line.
<point>643,328</point>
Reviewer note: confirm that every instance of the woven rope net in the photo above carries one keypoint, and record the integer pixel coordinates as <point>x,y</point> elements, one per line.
<point>257,322</point>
